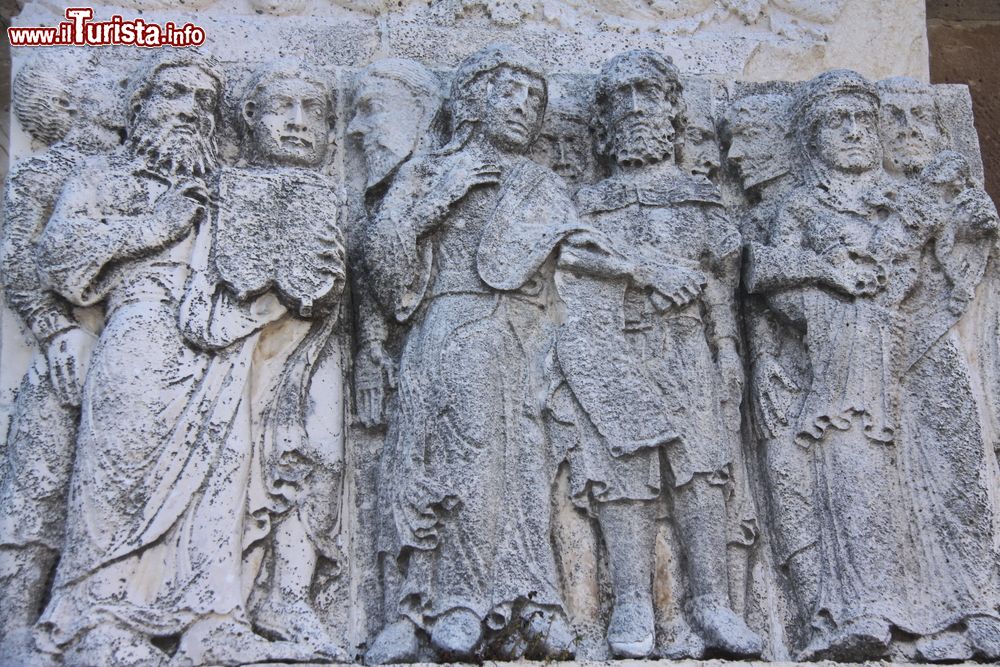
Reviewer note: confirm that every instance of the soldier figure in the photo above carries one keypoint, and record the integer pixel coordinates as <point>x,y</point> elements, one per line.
<point>659,383</point>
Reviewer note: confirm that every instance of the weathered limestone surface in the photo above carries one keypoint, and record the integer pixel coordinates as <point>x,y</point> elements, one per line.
<point>499,331</point>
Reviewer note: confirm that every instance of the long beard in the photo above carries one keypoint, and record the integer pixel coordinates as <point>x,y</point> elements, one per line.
<point>174,153</point>
<point>636,142</point>
<point>380,161</point>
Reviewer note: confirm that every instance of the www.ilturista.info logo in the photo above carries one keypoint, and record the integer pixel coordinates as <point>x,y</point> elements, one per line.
<point>79,30</point>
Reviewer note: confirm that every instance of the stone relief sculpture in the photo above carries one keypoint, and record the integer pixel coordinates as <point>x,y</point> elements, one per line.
<point>850,263</point>
<point>910,125</point>
<point>565,143</point>
<point>165,459</point>
<point>469,507</point>
<point>548,290</point>
<point>395,104</point>
<point>58,112</point>
<point>288,116</point>
<point>758,151</point>
<point>653,383</point>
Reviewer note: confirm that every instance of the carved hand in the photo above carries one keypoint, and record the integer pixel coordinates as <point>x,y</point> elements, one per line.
<point>775,391</point>
<point>463,175</point>
<point>672,286</point>
<point>374,375</point>
<point>178,209</point>
<point>857,274</point>
<point>68,356</point>
<point>975,208</point>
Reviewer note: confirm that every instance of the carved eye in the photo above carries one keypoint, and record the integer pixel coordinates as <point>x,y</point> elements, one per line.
<point>313,107</point>
<point>205,98</point>
<point>174,91</point>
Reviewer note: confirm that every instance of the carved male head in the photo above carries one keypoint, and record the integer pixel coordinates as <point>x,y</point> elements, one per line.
<point>754,131</point>
<point>564,144</point>
<point>499,93</point>
<point>395,103</point>
<point>639,108</point>
<point>173,112</point>
<point>701,145</point>
<point>836,123</point>
<point>44,100</point>
<point>910,123</point>
<point>287,113</point>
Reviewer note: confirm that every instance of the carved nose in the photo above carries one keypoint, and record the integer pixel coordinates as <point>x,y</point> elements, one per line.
<point>356,126</point>
<point>522,103</point>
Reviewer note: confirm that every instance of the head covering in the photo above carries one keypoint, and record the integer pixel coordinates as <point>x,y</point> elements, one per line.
<point>834,83</point>
<point>468,93</point>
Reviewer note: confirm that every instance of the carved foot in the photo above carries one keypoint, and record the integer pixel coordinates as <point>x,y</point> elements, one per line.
<point>396,643</point>
<point>946,646</point>
<point>983,633</point>
<point>110,641</point>
<point>855,641</point>
<point>548,634</point>
<point>724,631</point>
<point>632,630</point>
<point>457,633</point>
<point>225,641</point>
<point>298,622</point>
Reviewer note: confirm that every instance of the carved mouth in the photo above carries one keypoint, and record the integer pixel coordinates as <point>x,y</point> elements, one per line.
<point>566,170</point>
<point>295,141</point>
<point>518,126</point>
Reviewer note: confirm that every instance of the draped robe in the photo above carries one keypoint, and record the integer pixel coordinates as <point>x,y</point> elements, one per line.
<point>466,473</point>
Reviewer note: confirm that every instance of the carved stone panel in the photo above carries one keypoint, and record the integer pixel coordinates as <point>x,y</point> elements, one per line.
<point>399,343</point>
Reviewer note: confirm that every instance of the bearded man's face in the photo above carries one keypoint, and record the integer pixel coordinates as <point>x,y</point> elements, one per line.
<point>387,122</point>
<point>641,116</point>
<point>175,125</point>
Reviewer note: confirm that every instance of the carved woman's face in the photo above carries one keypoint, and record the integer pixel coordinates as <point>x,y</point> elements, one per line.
<point>515,103</point>
<point>846,136</point>
<point>288,122</point>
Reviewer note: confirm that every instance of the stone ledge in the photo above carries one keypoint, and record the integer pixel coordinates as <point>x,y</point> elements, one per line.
<point>644,663</point>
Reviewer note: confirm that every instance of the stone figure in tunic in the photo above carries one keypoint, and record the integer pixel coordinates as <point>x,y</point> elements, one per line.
<point>270,282</point>
<point>397,104</point>
<point>906,526</point>
<point>59,112</point>
<point>461,251</point>
<point>649,353</point>
<point>758,150</point>
<point>163,469</point>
